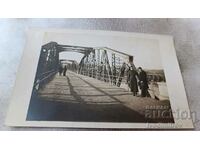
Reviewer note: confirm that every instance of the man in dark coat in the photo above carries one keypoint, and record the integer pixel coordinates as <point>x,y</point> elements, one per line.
<point>64,70</point>
<point>132,80</point>
<point>143,83</point>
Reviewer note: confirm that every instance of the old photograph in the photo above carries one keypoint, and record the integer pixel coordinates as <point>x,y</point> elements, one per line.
<point>99,78</point>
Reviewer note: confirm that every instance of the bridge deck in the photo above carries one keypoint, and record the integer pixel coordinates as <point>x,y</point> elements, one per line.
<point>76,97</point>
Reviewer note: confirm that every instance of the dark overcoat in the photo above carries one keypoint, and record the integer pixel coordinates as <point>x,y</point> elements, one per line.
<point>132,80</point>
<point>143,77</point>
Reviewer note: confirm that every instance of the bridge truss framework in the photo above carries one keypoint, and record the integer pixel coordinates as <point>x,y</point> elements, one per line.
<point>102,63</point>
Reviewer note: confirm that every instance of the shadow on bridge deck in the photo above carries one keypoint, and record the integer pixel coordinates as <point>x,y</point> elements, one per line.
<point>79,98</point>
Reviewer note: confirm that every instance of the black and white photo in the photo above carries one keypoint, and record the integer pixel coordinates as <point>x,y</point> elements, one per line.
<point>102,79</point>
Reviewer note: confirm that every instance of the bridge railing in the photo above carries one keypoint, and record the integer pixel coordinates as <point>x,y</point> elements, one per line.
<point>112,79</point>
<point>151,77</point>
<point>43,79</point>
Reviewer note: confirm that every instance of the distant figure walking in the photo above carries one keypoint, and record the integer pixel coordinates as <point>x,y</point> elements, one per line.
<point>132,80</point>
<point>60,70</point>
<point>64,70</point>
<point>143,83</point>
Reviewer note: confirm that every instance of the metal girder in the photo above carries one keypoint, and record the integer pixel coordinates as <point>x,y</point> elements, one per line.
<point>49,45</point>
<point>79,49</point>
<point>121,54</point>
<point>68,60</point>
<point>71,46</point>
<point>96,62</point>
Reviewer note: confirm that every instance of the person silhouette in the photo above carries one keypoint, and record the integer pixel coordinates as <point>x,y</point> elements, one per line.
<point>132,80</point>
<point>64,70</point>
<point>143,82</point>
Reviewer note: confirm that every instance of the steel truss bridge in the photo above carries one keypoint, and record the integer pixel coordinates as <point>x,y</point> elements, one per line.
<point>102,63</point>
<point>92,90</point>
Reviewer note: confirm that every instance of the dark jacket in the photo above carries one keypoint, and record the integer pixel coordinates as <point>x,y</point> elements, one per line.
<point>143,83</point>
<point>132,80</point>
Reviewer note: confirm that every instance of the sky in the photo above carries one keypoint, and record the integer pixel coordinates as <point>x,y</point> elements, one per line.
<point>145,51</point>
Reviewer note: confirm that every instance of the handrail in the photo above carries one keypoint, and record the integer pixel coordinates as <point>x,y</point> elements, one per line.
<point>43,78</point>
<point>97,76</point>
<point>47,76</point>
<point>47,72</point>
